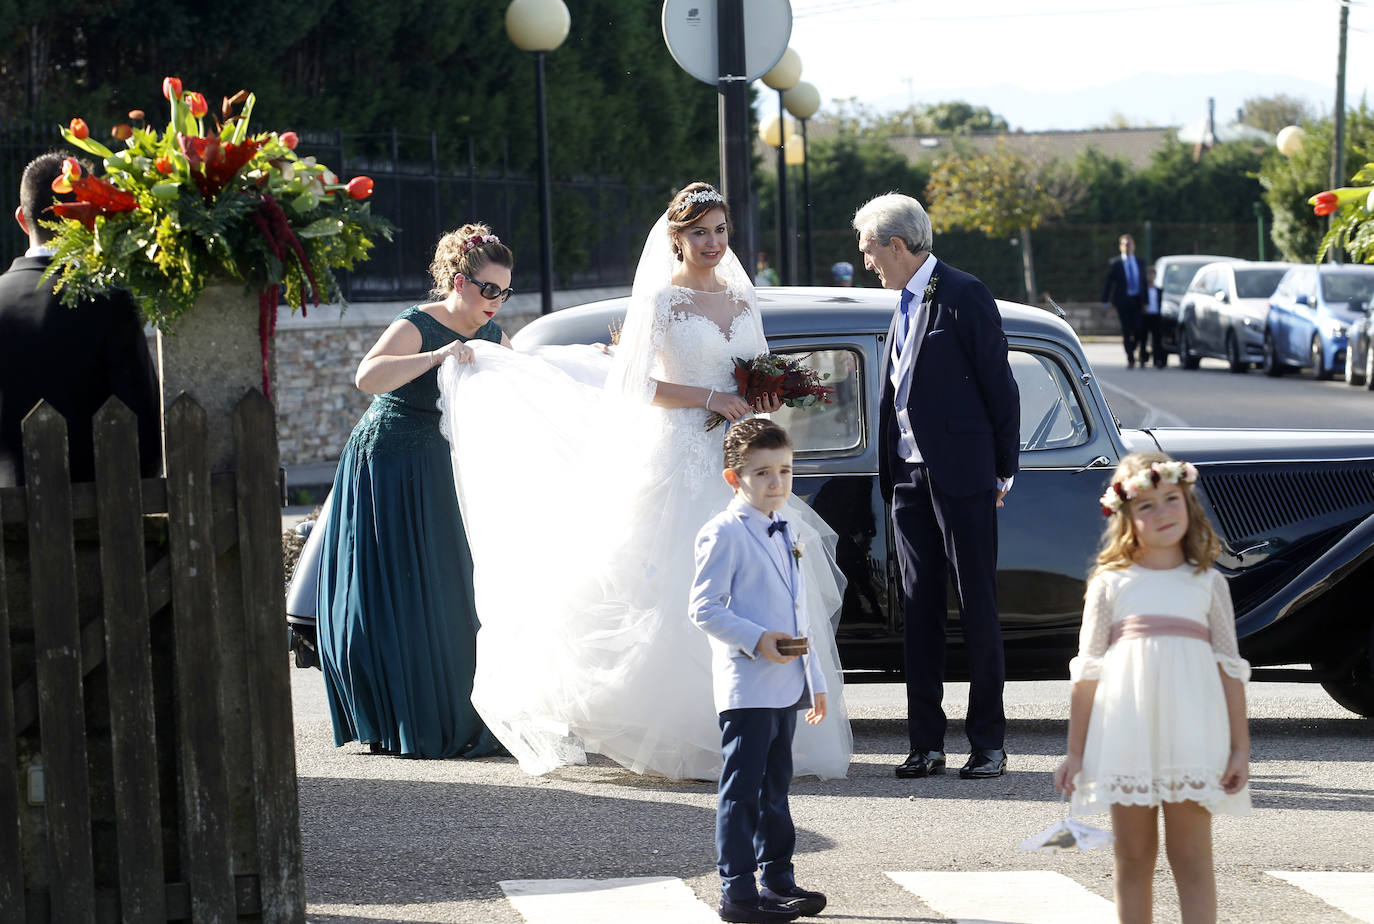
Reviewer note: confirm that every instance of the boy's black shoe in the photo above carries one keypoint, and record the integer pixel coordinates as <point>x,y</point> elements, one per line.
<point>804,902</point>
<point>758,911</point>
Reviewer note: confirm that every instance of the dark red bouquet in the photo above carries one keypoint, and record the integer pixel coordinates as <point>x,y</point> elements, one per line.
<point>774,374</point>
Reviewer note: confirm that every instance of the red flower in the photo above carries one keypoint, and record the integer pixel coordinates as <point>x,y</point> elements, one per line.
<point>197,103</point>
<point>122,131</point>
<point>171,87</point>
<point>1327,202</point>
<point>360,187</point>
<point>80,129</point>
<point>164,165</point>
<point>71,172</point>
<point>290,139</point>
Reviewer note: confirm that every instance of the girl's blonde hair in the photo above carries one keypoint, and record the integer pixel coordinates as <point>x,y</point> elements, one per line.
<point>1119,541</point>
<point>466,250</point>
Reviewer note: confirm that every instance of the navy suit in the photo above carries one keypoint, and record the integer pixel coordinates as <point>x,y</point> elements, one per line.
<point>965,414</point>
<point>1128,307</point>
<point>75,359</point>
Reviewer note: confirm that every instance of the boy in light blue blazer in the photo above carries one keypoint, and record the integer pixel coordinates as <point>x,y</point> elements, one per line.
<point>747,597</point>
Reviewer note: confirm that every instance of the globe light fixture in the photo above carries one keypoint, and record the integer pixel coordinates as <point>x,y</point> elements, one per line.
<point>802,101</point>
<point>540,26</point>
<point>1289,140</point>
<point>783,77</point>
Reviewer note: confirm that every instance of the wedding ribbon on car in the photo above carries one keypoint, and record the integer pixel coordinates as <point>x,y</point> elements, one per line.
<point>1068,833</point>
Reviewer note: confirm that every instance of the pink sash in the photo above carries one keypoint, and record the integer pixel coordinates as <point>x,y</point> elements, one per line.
<point>1147,626</point>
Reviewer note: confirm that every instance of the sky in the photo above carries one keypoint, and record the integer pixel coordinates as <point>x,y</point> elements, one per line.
<point>1068,64</point>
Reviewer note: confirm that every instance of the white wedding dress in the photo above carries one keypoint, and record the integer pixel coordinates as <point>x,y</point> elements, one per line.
<point>582,504</point>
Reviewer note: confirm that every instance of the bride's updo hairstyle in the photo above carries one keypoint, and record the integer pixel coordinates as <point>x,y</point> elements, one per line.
<point>690,205</point>
<point>466,250</point>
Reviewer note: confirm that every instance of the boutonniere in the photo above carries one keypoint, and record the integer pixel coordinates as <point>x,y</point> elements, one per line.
<point>929,294</point>
<point>797,551</point>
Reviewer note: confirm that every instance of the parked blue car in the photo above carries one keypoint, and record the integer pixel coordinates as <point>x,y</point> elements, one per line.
<point>1310,314</point>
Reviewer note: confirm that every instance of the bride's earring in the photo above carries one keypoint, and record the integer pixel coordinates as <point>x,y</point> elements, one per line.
<point>677,250</point>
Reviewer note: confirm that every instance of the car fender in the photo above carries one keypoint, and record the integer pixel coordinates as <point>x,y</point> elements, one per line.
<point>1334,565</point>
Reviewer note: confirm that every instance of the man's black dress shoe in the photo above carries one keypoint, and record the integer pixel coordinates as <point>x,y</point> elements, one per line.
<point>984,765</point>
<point>921,763</point>
<point>804,902</point>
<point>759,911</point>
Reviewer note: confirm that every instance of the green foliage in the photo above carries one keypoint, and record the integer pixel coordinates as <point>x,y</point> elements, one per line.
<point>953,117</point>
<point>998,193</point>
<point>1352,226</point>
<point>1272,113</point>
<point>1289,181</point>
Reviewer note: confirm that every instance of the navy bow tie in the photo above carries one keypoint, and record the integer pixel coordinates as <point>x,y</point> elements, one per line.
<point>776,525</point>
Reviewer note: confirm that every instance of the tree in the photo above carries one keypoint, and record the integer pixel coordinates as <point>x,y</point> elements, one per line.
<point>948,118</point>
<point>1289,181</point>
<point>1000,193</point>
<point>1272,113</point>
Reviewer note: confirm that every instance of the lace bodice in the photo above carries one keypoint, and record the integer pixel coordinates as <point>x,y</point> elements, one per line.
<point>1114,595</point>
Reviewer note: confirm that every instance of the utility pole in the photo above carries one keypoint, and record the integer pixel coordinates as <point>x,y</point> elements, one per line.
<point>735,135</point>
<point>1338,177</point>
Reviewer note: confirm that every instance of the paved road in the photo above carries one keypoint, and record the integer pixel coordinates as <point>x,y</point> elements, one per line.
<point>393,840</point>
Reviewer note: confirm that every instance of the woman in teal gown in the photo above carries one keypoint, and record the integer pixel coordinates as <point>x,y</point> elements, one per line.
<point>394,606</point>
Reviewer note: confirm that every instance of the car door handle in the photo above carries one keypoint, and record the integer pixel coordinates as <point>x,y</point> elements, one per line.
<point>1099,462</point>
<point>1254,548</point>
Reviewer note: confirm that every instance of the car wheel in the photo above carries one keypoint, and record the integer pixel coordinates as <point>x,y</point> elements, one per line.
<point>1353,688</point>
<point>1238,363</point>
<point>1318,360</point>
<point>1354,370</point>
<point>1186,359</point>
<point>1270,364</point>
<point>1369,365</point>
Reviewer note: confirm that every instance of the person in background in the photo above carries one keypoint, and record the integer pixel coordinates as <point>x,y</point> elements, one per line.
<point>1125,288</point>
<point>843,272</point>
<point>76,358</point>
<point>1151,324</point>
<point>765,274</point>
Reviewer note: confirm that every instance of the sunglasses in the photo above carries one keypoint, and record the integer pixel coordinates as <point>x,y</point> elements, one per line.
<point>491,290</point>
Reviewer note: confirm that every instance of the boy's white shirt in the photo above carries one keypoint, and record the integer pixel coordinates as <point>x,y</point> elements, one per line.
<point>748,583</point>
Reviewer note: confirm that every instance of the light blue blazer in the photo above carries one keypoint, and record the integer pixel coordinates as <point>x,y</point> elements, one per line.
<point>740,592</point>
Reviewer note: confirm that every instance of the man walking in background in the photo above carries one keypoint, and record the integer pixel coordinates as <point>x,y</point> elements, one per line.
<point>1125,288</point>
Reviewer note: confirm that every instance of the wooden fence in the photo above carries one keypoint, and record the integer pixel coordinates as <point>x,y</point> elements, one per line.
<point>147,762</point>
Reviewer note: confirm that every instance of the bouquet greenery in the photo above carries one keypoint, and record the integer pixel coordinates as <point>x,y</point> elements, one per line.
<point>770,374</point>
<point>203,203</point>
<point>1352,228</point>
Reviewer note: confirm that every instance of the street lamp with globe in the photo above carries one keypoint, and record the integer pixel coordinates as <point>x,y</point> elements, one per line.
<point>802,101</point>
<point>783,77</point>
<point>540,26</point>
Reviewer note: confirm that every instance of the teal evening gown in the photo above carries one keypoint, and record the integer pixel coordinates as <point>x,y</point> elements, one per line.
<point>397,622</point>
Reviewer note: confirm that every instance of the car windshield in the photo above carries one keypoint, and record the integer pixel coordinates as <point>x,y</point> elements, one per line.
<point>1257,283</point>
<point>1178,275</point>
<point>1348,287</point>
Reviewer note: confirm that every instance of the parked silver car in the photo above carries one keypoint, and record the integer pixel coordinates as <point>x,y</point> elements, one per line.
<point>1224,311</point>
<point>1173,274</point>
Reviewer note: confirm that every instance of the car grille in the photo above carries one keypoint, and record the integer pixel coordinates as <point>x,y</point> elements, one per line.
<point>1253,504</point>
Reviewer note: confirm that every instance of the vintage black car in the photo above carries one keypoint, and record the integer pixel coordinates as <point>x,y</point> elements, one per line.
<point>1295,509</point>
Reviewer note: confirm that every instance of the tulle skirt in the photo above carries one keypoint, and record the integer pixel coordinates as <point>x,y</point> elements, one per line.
<point>581,510</point>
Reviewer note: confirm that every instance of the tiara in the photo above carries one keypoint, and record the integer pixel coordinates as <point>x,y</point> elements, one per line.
<point>1125,489</point>
<point>477,240</point>
<point>701,195</point>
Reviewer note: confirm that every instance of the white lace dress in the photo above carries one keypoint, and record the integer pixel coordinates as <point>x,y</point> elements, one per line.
<point>1159,730</point>
<point>581,506</point>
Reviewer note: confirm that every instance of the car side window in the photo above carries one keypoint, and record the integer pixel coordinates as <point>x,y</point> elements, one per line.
<point>1201,281</point>
<point>831,428</point>
<point>1051,415</point>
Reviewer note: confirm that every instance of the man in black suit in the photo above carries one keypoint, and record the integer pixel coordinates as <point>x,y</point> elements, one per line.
<point>1125,288</point>
<point>74,358</point>
<point>949,442</point>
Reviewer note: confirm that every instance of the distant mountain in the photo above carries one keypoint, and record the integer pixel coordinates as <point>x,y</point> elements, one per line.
<point>1146,99</point>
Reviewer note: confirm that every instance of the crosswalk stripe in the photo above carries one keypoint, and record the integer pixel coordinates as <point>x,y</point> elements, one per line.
<point>661,899</point>
<point>1352,893</point>
<point>1010,897</point>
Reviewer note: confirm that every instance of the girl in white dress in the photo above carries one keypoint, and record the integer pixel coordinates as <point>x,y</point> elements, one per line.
<point>1157,715</point>
<point>583,565</point>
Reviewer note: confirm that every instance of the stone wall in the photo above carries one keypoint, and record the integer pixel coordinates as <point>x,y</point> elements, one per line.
<point>318,354</point>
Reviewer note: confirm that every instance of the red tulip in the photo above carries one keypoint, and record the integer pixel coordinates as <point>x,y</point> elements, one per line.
<point>171,87</point>
<point>1325,203</point>
<point>360,187</point>
<point>290,139</point>
<point>71,172</point>
<point>80,129</point>
<point>197,103</point>
<point>122,131</point>
<point>164,165</point>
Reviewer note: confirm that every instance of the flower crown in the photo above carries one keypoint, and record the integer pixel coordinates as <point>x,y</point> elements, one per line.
<point>1173,472</point>
<point>478,240</point>
<point>699,196</point>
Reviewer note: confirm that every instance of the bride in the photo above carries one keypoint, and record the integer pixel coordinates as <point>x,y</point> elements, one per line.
<point>582,490</point>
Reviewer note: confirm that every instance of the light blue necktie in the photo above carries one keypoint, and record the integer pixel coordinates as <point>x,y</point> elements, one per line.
<point>904,326</point>
<point>1132,285</point>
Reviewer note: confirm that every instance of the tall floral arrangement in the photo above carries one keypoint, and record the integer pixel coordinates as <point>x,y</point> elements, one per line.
<point>205,201</point>
<point>1352,227</point>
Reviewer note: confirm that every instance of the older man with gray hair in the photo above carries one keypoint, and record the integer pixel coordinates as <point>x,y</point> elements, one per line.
<point>949,441</point>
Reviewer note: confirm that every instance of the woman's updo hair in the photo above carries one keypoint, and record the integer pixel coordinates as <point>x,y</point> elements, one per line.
<point>466,250</point>
<point>690,205</point>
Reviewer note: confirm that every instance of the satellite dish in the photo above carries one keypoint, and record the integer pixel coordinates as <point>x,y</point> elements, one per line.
<point>689,29</point>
